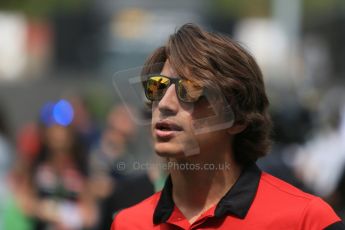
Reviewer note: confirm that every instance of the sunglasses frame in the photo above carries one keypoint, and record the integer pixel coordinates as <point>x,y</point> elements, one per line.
<point>176,81</point>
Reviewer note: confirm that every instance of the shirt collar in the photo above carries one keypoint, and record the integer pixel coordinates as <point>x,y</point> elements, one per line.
<point>236,201</point>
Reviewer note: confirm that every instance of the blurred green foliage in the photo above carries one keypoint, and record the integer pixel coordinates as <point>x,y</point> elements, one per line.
<point>42,8</point>
<point>243,8</point>
<point>318,6</point>
<point>236,8</point>
<point>262,8</point>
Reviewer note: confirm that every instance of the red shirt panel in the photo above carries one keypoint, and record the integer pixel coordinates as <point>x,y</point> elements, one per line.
<point>276,205</point>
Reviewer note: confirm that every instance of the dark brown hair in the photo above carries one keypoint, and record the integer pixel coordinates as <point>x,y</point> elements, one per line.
<point>221,64</point>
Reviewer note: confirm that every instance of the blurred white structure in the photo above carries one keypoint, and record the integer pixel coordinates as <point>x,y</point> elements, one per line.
<point>12,45</point>
<point>268,42</point>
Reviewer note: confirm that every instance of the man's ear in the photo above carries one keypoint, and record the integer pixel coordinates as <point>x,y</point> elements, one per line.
<point>238,127</point>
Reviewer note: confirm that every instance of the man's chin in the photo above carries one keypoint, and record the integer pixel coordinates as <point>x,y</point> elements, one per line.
<point>168,150</point>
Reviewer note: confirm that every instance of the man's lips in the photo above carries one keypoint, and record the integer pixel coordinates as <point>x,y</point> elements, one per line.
<point>166,129</point>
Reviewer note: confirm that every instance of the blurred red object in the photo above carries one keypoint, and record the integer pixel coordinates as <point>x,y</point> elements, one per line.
<point>29,141</point>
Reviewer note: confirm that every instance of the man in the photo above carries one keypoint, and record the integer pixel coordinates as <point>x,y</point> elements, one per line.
<point>204,74</point>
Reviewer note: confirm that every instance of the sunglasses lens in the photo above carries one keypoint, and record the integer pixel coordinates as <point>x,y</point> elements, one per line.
<point>156,87</point>
<point>189,92</point>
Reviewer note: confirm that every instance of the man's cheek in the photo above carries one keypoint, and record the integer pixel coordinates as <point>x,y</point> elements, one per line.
<point>189,143</point>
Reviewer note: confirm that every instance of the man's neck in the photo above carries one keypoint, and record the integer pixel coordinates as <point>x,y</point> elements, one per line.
<point>203,184</point>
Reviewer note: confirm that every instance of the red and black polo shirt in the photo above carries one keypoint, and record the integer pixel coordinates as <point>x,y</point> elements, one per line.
<point>257,201</point>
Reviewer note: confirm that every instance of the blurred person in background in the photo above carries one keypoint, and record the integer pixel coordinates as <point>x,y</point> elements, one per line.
<point>60,181</point>
<point>6,160</point>
<point>118,187</point>
<point>320,162</point>
<point>5,146</point>
<point>21,203</point>
<point>209,106</point>
<point>87,129</point>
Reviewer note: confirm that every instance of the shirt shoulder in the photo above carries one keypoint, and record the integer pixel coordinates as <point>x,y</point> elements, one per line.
<point>138,216</point>
<point>280,187</point>
<point>306,210</point>
<point>318,215</point>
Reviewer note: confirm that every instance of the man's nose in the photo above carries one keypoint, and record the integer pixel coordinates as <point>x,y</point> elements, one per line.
<point>169,104</point>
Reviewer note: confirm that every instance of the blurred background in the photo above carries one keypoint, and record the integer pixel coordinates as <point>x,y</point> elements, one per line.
<point>63,126</point>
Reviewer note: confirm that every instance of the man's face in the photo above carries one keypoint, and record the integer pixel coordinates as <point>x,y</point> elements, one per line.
<point>173,124</point>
